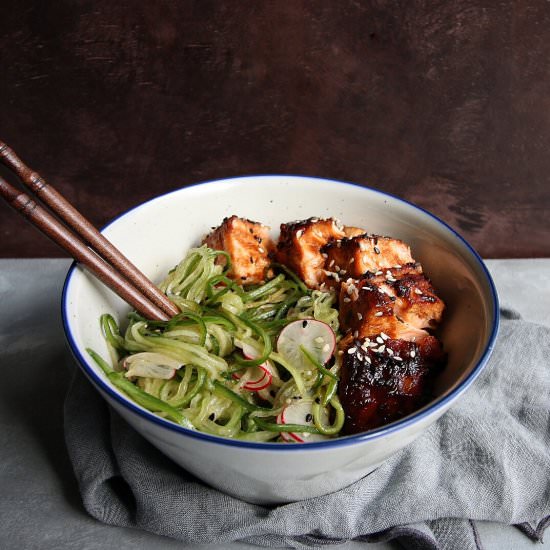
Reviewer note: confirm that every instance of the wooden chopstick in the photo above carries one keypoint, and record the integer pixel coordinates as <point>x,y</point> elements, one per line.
<point>128,282</point>
<point>76,221</point>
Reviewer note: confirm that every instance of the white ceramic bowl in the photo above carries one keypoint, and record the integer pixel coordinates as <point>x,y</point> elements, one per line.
<point>157,234</point>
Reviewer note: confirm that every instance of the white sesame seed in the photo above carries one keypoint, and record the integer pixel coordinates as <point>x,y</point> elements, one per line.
<point>397,266</point>
<point>324,255</point>
<point>356,334</point>
<point>397,358</point>
<point>340,352</point>
<point>352,261</point>
<point>347,300</point>
<point>261,250</point>
<point>418,291</point>
<point>367,359</point>
<point>338,244</point>
<point>351,351</point>
<point>331,263</point>
<point>379,273</point>
<point>299,233</point>
<point>384,335</point>
<point>378,314</point>
<point>379,340</point>
<point>337,268</point>
<point>390,279</point>
<point>380,349</point>
<point>360,357</point>
<point>326,347</point>
<point>413,353</point>
<point>366,288</point>
<point>343,271</point>
<point>319,340</point>
<point>359,316</point>
<point>390,351</point>
<point>362,246</point>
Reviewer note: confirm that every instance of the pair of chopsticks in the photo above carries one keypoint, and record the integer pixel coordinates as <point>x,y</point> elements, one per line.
<point>82,240</point>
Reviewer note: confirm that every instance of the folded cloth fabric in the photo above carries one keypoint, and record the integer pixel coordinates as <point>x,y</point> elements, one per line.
<point>488,458</point>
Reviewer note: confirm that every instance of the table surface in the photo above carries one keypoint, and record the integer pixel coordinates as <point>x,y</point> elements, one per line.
<point>40,505</point>
<point>443,103</point>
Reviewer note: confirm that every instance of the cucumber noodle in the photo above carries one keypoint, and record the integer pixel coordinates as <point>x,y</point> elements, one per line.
<point>218,317</point>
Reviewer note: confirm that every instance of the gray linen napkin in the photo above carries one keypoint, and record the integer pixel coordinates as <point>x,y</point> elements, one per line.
<point>488,458</point>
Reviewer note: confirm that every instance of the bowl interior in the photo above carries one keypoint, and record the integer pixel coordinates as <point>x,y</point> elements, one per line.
<point>157,234</point>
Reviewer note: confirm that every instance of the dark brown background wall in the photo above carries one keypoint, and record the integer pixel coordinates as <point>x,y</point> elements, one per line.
<point>443,103</point>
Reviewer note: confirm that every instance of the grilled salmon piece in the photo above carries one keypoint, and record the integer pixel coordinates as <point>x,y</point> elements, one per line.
<point>399,302</point>
<point>248,244</point>
<point>383,379</point>
<point>414,298</point>
<point>299,247</point>
<point>357,255</point>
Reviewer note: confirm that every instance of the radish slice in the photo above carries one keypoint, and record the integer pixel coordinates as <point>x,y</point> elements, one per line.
<point>299,412</point>
<point>260,377</point>
<point>315,336</point>
<point>151,365</point>
<point>250,352</point>
<point>285,436</point>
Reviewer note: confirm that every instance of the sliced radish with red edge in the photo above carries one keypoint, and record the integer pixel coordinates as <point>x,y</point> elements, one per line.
<point>299,412</point>
<point>315,336</point>
<point>260,376</point>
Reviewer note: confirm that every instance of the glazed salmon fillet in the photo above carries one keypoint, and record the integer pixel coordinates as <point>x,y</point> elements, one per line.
<point>362,253</point>
<point>400,302</point>
<point>299,247</point>
<point>384,379</point>
<point>389,359</point>
<point>248,244</point>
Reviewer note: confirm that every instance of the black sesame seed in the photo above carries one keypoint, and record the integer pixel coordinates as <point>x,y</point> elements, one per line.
<point>376,250</point>
<point>309,417</point>
<point>251,260</point>
<point>304,324</point>
<point>318,400</point>
<point>212,417</point>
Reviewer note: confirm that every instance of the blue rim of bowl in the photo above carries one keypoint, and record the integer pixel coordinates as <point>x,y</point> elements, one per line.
<point>396,426</point>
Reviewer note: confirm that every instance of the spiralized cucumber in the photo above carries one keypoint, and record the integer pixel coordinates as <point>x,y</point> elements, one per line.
<point>205,341</point>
